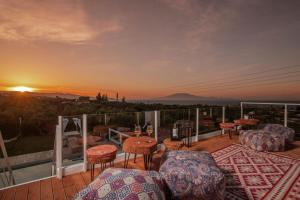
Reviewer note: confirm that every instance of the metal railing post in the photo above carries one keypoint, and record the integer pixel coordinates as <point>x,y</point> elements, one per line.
<point>84,117</point>
<point>197,124</point>
<point>156,125</point>
<point>59,131</point>
<point>223,118</point>
<point>285,115</point>
<point>137,118</point>
<point>242,110</point>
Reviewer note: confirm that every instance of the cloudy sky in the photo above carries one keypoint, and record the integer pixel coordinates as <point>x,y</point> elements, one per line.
<point>142,49</point>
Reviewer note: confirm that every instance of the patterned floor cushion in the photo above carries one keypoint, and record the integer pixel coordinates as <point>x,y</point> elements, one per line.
<point>261,140</point>
<point>125,184</point>
<point>288,133</point>
<point>192,175</point>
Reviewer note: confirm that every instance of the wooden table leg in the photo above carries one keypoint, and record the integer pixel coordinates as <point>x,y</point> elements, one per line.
<point>125,160</point>
<point>92,171</point>
<point>134,160</point>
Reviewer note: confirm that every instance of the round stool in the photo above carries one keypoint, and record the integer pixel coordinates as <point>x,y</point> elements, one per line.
<point>228,127</point>
<point>101,154</point>
<point>173,144</point>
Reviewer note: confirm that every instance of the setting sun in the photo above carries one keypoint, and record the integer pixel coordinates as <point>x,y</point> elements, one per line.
<point>22,89</point>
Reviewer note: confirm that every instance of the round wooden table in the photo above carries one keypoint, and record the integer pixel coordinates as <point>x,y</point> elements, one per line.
<point>140,145</point>
<point>227,126</point>
<point>173,144</point>
<point>246,122</point>
<point>101,154</point>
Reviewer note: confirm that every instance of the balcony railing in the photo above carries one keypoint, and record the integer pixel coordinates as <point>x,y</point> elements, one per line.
<point>73,133</point>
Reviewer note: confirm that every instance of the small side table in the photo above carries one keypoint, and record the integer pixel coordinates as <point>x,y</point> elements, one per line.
<point>101,154</point>
<point>247,123</point>
<point>140,145</point>
<point>227,127</point>
<point>173,144</point>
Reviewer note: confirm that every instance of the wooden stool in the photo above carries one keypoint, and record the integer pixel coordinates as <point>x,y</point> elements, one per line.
<point>102,154</point>
<point>227,127</point>
<point>173,144</point>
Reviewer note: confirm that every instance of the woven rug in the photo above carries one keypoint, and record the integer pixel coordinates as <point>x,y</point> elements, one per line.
<point>257,175</point>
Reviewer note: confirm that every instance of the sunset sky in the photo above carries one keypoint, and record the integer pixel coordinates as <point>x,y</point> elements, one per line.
<point>150,48</point>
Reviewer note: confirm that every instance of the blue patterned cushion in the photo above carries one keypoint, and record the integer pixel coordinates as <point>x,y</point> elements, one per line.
<point>261,140</point>
<point>192,175</point>
<point>287,132</point>
<point>125,184</point>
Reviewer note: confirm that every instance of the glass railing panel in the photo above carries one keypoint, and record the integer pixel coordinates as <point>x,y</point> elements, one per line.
<point>294,118</point>
<point>167,119</point>
<point>72,140</point>
<point>209,119</point>
<point>265,113</point>
<point>29,143</point>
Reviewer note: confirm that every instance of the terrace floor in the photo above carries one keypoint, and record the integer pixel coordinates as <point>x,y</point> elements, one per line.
<point>53,188</point>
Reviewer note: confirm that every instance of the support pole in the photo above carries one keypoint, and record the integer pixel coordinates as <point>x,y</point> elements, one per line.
<point>285,115</point>
<point>197,124</point>
<point>59,157</point>
<point>84,117</point>
<point>242,111</point>
<point>156,125</point>
<point>105,119</point>
<point>223,118</point>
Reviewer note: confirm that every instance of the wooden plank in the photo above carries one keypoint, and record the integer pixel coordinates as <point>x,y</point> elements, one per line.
<point>9,194</point>
<point>46,189</point>
<point>21,192</point>
<point>86,176</point>
<point>70,191</point>
<point>78,182</point>
<point>69,186</point>
<point>34,190</point>
<point>58,189</point>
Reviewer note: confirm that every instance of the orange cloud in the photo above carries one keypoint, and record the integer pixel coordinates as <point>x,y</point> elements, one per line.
<point>56,21</point>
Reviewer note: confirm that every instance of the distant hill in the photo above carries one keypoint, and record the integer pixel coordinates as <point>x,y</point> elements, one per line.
<point>184,97</point>
<point>189,99</point>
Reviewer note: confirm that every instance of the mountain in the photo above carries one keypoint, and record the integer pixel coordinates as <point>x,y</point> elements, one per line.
<point>189,99</point>
<point>183,97</point>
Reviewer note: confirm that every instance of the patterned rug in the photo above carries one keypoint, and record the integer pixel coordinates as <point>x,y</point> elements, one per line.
<point>257,175</point>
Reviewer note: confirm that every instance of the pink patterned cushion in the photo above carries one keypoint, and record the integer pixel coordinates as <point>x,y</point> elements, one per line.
<point>125,184</point>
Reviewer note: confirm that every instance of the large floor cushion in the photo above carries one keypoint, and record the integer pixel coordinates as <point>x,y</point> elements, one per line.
<point>125,184</point>
<point>261,140</point>
<point>192,175</point>
<point>287,132</point>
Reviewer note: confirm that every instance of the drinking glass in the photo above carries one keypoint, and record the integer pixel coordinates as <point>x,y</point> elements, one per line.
<point>149,130</point>
<point>138,131</point>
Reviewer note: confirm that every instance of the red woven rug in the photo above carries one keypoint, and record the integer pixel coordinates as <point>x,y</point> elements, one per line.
<point>257,175</point>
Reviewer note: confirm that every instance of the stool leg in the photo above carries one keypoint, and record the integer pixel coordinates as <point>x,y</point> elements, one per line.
<point>229,132</point>
<point>125,161</point>
<point>134,160</point>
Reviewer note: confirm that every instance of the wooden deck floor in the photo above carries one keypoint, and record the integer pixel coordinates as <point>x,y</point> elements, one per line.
<point>53,188</point>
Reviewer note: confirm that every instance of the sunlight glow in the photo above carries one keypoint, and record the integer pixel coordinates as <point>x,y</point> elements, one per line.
<point>22,89</point>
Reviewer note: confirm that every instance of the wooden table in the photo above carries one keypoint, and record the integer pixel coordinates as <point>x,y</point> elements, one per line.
<point>173,144</point>
<point>140,145</point>
<point>246,122</point>
<point>227,126</point>
<point>101,154</point>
